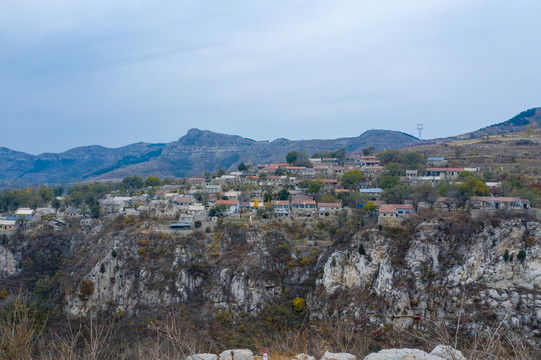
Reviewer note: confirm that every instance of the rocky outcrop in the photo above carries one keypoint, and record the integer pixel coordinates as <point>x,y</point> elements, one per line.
<point>8,263</point>
<point>429,270</point>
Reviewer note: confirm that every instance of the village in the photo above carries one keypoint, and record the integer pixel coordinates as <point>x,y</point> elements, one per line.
<point>325,187</point>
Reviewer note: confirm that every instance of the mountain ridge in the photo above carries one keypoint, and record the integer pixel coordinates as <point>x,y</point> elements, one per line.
<point>192,154</point>
<point>202,150</point>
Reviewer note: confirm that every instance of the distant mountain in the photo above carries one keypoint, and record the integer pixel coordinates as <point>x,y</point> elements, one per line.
<point>192,154</point>
<point>516,123</point>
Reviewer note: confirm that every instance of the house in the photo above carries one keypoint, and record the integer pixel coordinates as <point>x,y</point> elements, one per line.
<point>197,181</point>
<point>232,195</point>
<point>303,207</point>
<point>489,202</point>
<point>7,226</point>
<point>183,201</point>
<point>411,175</point>
<point>436,161</point>
<point>369,161</point>
<point>444,173</point>
<point>45,213</point>
<point>114,205</point>
<point>72,212</point>
<point>231,205</point>
<point>328,209</point>
<point>394,213</point>
<point>24,212</point>
<point>280,208</point>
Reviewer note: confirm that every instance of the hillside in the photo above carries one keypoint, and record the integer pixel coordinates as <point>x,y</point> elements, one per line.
<point>243,285</point>
<point>192,154</point>
<point>517,123</point>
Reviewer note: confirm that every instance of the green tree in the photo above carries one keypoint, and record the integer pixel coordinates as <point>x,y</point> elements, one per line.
<point>370,208</point>
<point>304,184</point>
<point>242,167</point>
<point>387,181</point>
<point>351,179</point>
<point>521,255</point>
<point>217,210</point>
<point>46,193</point>
<point>58,191</point>
<point>316,186</point>
<point>55,203</point>
<point>133,182</point>
<point>221,172</point>
<point>368,151</point>
<point>283,194</point>
<point>95,211</point>
<point>152,181</point>
<point>424,193</point>
<point>292,156</point>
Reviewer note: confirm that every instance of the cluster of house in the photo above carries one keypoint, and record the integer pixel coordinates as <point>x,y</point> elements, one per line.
<point>185,208</point>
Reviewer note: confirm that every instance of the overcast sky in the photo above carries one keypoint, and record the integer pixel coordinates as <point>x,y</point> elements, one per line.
<point>112,73</point>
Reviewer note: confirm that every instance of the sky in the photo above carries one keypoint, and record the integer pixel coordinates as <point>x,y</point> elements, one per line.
<point>75,73</point>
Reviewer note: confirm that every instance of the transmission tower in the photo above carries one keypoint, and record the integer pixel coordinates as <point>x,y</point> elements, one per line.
<point>420,127</point>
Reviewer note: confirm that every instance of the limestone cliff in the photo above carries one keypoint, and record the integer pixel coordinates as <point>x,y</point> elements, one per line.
<point>429,268</point>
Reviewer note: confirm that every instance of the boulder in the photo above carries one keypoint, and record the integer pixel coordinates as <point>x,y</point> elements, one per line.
<point>203,357</point>
<point>447,352</point>
<point>304,357</point>
<point>237,354</point>
<point>402,354</point>
<point>337,356</point>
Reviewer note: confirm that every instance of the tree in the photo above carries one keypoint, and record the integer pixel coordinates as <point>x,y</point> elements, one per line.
<point>424,193</point>
<point>221,172</point>
<point>58,191</point>
<point>263,176</point>
<point>387,181</point>
<point>368,151</point>
<point>46,193</point>
<point>283,194</point>
<point>316,186</point>
<point>217,210</point>
<point>529,130</point>
<point>370,208</point>
<point>133,182</point>
<point>292,156</point>
<point>95,211</point>
<point>55,203</point>
<point>267,197</point>
<point>351,179</point>
<point>242,167</point>
<point>521,255</point>
<point>152,181</point>
<point>304,184</point>
<point>299,158</point>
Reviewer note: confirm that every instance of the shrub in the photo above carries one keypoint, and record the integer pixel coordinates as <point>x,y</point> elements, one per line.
<point>299,305</point>
<point>361,249</point>
<point>86,289</point>
<point>506,255</point>
<point>521,255</point>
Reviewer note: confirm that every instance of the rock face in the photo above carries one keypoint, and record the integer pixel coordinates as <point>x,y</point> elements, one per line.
<point>427,270</point>
<point>8,263</point>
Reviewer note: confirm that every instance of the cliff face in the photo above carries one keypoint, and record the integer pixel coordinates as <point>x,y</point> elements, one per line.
<point>427,269</point>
